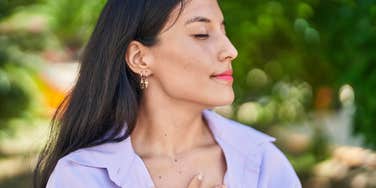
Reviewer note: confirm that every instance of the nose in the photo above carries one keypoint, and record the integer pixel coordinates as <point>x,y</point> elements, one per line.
<point>228,52</point>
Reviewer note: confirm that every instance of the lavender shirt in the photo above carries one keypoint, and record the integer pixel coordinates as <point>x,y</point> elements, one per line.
<point>251,157</point>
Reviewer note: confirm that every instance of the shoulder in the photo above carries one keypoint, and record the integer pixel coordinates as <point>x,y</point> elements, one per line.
<point>94,167</point>
<point>69,173</point>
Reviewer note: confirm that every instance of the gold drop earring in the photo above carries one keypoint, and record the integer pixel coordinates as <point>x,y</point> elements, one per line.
<point>144,82</point>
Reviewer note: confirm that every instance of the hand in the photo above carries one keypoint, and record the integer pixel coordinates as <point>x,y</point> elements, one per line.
<point>196,182</point>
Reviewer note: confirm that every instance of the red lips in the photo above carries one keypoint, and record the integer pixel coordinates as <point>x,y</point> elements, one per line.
<point>227,75</point>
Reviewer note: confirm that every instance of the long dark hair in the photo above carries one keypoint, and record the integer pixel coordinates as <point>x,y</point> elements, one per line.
<point>107,94</point>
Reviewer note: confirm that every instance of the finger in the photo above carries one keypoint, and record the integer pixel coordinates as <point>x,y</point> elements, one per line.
<point>196,181</point>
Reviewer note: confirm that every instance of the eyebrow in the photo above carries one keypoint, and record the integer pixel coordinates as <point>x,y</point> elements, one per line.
<point>201,19</point>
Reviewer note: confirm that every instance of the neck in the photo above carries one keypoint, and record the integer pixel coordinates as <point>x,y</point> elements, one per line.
<point>168,127</point>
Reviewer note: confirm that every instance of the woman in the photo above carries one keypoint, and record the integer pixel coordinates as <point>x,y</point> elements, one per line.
<point>139,115</point>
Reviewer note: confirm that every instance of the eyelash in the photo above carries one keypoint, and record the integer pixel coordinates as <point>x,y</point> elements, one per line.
<point>201,36</point>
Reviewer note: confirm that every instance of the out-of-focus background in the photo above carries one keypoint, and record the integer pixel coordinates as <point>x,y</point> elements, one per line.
<point>305,74</point>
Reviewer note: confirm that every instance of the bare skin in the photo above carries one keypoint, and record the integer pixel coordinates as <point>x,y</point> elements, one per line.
<point>170,135</point>
<point>176,170</point>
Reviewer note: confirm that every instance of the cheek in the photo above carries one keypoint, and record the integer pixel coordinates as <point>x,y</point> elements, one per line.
<point>183,72</point>
<point>182,69</point>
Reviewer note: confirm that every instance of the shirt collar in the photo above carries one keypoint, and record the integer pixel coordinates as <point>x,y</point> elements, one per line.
<point>240,144</point>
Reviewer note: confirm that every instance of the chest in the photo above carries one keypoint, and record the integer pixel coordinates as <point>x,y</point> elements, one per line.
<point>177,172</point>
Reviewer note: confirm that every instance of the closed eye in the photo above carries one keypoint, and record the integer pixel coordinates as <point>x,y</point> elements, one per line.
<point>201,36</point>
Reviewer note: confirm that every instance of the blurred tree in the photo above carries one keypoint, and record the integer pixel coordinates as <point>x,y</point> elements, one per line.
<point>73,28</point>
<point>349,44</point>
<point>16,82</point>
<point>325,43</point>
<point>8,6</point>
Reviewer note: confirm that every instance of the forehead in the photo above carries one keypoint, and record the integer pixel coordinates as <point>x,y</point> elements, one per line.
<point>192,9</point>
<point>209,7</point>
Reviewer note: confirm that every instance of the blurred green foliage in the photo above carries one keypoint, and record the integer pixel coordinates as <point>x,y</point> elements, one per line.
<point>9,6</point>
<point>72,21</point>
<point>17,83</point>
<point>323,43</point>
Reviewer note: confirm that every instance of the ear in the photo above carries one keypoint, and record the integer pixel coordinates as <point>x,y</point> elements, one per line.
<point>137,57</point>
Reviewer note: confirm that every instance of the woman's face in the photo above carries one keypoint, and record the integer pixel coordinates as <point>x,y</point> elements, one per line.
<point>190,52</point>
